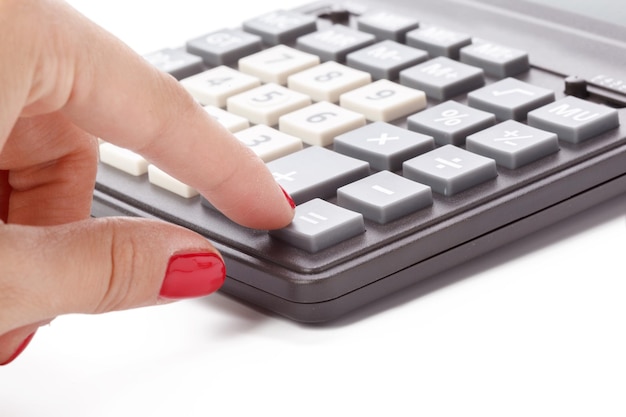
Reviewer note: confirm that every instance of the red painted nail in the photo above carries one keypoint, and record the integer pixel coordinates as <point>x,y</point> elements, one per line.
<point>193,275</point>
<point>19,350</point>
<point>289,199</point>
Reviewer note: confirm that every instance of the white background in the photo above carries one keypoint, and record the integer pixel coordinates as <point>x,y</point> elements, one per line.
<point>534,329</point>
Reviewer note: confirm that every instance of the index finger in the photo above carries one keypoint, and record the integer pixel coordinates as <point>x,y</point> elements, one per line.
<point>117,95</point>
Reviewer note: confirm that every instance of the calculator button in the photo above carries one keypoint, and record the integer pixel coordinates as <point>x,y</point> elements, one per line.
<point>231,122</point>
<point>513,144</point>
<point>449,170</point>
<point>319,123</point>
<point>265,104</point>
<point>385,25</point>
<point>123,159</point>
<point>176,62</point>
<point>510,98</point>
<point>443,78</point>
<point>574,120</point>
<point>276,64</point>
<point>384,100</point>
<point>438,41</point>
<point>224,47</point>
<point>327,81</point>
<point>384,197</point>
<point>334,43</point>
<point>165,181</point>
<point>385,60</point>
<point>316,172</point>
<point>269,143</point>
<point>318,224</point>
<point>214,86</point>
<point>383,145</point>
<point>280,26</point>
<point>497,60</point>
<point>450,122</point>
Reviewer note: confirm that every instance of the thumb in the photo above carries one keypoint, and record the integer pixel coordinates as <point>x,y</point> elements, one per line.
<point>100,265</point>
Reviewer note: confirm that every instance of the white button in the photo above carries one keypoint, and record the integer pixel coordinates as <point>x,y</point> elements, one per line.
<point>384,100</point>
<point>269,143</point>
<point>326,82</point>
<point>320,123</point>
<point>123,159</point>
<point>230,121</point>
<point>161,179</point>
<point>275,64</point>
<point>265,104</point>
<point>214,86</point>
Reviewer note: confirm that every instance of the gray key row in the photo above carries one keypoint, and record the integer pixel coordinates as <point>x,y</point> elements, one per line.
<point>382,43</point>
<point>315,173</point>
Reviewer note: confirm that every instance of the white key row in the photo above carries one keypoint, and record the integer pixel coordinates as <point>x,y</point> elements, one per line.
<point>277,100</point>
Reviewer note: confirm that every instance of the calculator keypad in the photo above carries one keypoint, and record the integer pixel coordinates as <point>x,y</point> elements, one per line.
<point>375,128</point>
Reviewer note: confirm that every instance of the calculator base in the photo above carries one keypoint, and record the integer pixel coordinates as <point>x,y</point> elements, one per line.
<point>428,269</point>
<point>332,309</point>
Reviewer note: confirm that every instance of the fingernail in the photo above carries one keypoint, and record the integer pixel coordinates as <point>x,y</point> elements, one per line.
<point>193,275</point>
<point>288,197</point>
<point>19,350</point>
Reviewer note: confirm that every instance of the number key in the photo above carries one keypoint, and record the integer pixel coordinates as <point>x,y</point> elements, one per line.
<point>326,82</point>
<point>265,104</point>
<point>214,86</point>
<point>320,123</point>
<point>268,143</point>
<point>274,65</point>
<point>384,100</point>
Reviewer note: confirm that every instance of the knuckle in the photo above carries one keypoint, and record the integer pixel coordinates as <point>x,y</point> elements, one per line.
<point>126,284</point>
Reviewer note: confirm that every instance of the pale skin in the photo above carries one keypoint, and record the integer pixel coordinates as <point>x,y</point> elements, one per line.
<point>65,83</point>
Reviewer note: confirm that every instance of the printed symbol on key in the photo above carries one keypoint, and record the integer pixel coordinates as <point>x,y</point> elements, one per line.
<point>286,177</point>
<point>452,163</point>
<point>383,138</point>
<point>451,117</point>
<point>511,135</point>
<point>313,218</point>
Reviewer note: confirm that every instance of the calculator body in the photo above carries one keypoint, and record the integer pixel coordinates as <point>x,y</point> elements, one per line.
<point>325,285</point>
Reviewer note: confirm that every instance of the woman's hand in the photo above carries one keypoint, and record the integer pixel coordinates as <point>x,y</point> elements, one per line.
<point>66,82</point>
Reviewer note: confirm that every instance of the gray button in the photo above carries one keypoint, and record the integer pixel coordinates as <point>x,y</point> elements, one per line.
<point>443,78</point>
<point>497,60</point>
<point>334,43</point>
<point>176,62</point>
<point>280,26</point>
<point>450,122</point>
<point>318,224</point>
<point>385,25</point>
<point>510,98</point>
<point>225,46</point>
<point>438,41</point>
<point>384,197</point>
<point>385,60</point>
<point>449,170</point>
<point>383,145</point>
<point>574,120</point>
<point>513,144</point>
<point>316,172</point>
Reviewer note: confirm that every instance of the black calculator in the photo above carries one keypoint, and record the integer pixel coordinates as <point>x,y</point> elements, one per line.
<point>412,135</point>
